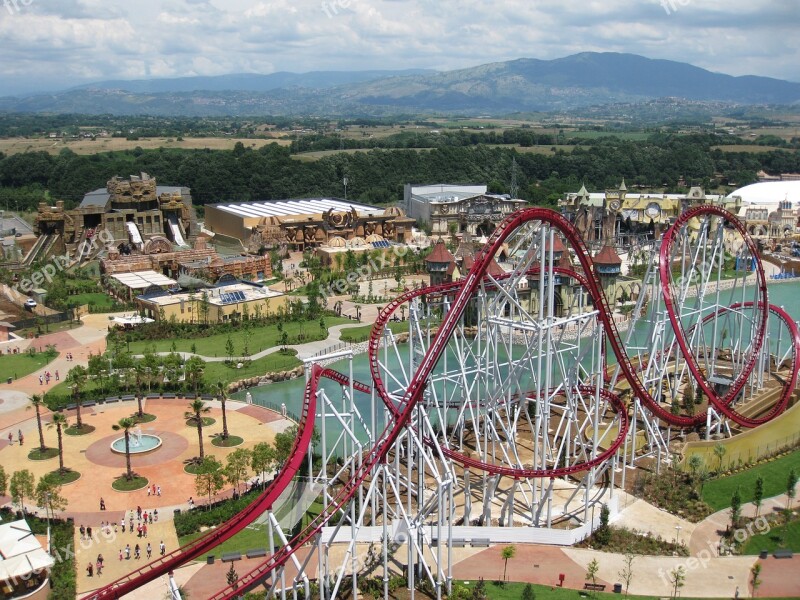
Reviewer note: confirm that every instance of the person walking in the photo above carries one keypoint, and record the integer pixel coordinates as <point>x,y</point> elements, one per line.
<point>137,552</point>
<point>102,504</point>
<point>144,530</point>
<point>149,550</point>
<point>83,531</point>
<point>89,568</point>
<point>120,555</point>
<point>162,548</point>
<point>127,551</point>
<point>19,435</point>
<point>122,524</point>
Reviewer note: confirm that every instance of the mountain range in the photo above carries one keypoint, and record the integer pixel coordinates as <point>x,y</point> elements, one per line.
<point>521,85</point>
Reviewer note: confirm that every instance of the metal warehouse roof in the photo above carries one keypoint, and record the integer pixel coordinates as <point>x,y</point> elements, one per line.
<point>289,208</point>
<point>143,279</point>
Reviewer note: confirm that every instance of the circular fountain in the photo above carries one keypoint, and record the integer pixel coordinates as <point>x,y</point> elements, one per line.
<point>138,442</point>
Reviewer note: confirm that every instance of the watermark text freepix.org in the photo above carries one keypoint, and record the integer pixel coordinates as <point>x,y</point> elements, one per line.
<point>15,6</point>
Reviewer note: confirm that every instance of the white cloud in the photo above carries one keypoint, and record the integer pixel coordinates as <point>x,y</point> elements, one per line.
<point>48,44</point>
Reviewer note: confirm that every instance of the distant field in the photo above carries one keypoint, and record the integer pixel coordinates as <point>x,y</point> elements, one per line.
<point>317,154</point>
<point>746,148</point>
<point>636,136</point>
<point>87,146</point>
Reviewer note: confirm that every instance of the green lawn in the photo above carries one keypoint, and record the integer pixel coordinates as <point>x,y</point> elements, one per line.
<point>97,299</point>
<point>247,539</point>
<point>216,371</point>
<point>278,361</point>
<point>19,365</point>
<point>361,334</point>
<point>771,539</point>
<point>261,338</point>
<point>717,493</point>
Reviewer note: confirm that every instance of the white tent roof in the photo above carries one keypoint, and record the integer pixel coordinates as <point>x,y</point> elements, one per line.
<point>20,551</point>
<point>769,192</point>
<point>144,279</point>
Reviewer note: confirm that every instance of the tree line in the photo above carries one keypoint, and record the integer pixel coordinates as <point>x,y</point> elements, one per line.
<point>377,176</point>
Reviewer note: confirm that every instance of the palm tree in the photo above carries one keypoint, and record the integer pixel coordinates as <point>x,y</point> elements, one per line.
<point>221,397</point>
<point>76,379</point>
<point>60,422</point>
<point>125,424</point>
<point>37,400</point>
<point>140,372</point>
<point>194,371</point>
<point>198,408</point>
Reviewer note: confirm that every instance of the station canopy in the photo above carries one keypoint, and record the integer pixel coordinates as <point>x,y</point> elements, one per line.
<point>144,279</point>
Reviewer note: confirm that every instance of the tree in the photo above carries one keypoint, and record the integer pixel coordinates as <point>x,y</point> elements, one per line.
<point>222,399</point>
<point>479,591</point>
<point>677,578</point>
<point>60,422</point>
<point>626,574</point>
<point>194,368</point>
<point>229,349</point>
<point>48,494</point>
<point>791,483</point>
<point>755,580</point>
<point>719,451</point>
<point>197,409</point>
<point>37,400</point>
<point>237,466</point>
<point>528,593</point>
<point>758,493</point>
<point>695,462</point>
<point>22,485</point>
<point>507,553</point>
<point>126,424</point>
<point>141,372</point>
<point>232,577</point>
<point>263,458</point>
<point>209,478</point>
<point>591,571</point>
<point>76,380</point>
<point>736,508</point>
<point>284,442</point>
<point>603,533</point>
<point>3,481</point>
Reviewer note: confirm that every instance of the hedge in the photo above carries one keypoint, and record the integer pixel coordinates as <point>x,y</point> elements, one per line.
<point>191,521</point>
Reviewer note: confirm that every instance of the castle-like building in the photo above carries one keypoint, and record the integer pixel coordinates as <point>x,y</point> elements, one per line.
<point>131,211</point>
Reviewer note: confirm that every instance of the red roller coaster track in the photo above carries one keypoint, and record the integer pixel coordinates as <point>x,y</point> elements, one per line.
<point>463,290</point>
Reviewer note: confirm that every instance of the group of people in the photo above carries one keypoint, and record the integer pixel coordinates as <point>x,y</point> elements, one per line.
<point>45,379</point>
<point>143,518</point>
<point>137,551</point>
<point>19,437</point>
<point>98,565</point>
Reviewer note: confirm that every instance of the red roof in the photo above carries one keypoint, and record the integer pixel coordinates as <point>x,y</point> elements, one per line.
<point>494,269</point>
<point>467,263</point>
<point>440,254</point>
<point>558,245</point>
<point>607,256</point>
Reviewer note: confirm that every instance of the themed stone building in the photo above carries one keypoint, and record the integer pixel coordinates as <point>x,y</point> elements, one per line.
<point>622,217</point>
<point>131,210</point>
<point>201,262</point>
<point>305,223</point>
<point>449,209</point>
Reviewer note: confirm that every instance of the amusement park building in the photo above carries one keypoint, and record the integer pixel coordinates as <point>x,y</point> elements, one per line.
<point>305,223</point>
<point>464,208</point>
<point>769,209</point>
<point>131,210</point>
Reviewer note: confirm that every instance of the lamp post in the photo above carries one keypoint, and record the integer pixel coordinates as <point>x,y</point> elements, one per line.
<point>678,534</point>
<point>344,181</point>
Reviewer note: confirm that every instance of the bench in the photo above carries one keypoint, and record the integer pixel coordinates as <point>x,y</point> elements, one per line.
<point>153,396</point>
<point>231,556</point>
<point>594,587</point>
<point>71,406</point>
<point>207,397</point>
<point>124,398</point>
<point>86,404</point>
<point>168,396</point>
<point>189,396</point>
<point>110,400</point>
<point>782,553</point>
<point>480,543</point>
<point>459,543</point>
<point>256,553</point>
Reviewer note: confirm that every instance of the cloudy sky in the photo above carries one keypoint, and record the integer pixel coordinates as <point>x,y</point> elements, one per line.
<point>52,44</point>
